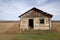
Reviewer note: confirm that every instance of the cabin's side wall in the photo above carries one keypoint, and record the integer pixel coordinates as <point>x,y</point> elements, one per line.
<point>38,26</point>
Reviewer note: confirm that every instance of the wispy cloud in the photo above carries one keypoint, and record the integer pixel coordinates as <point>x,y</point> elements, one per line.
<point>11,9</point>
<point>52,8</point>
<point>40,2</point>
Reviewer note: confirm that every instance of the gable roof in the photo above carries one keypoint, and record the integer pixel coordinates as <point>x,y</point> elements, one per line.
<point>38,10</point>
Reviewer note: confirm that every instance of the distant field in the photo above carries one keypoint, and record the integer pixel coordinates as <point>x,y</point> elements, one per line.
<point>5,25</point>
<point>56,25</point>
<point>11,31</point>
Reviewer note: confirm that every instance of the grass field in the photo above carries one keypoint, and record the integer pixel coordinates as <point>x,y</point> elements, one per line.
<point>13,33</point>
<point>40,35</point>
<point>33,35</point>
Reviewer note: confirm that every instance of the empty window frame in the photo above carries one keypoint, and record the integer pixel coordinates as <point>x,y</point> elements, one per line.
<point>41,21</point>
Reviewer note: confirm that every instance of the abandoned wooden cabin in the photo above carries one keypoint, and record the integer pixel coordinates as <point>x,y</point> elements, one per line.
<point>35,19</point>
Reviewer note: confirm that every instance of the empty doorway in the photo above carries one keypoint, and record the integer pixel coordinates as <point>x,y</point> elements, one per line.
<point>31,23</point>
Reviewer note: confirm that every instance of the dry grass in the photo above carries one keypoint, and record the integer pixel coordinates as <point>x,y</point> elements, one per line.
<point>9,27</point>
<point>4,26</point>
<point>14,29</point>
<point>8,30</point>
<point>56,26</point>
<point>6,36</point>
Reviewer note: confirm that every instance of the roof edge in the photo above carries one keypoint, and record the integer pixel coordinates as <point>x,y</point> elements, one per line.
<point>34,8</point>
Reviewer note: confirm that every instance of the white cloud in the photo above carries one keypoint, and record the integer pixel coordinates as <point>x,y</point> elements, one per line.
<point>39,2</point>
<point>52,8</point>
<point>11,9</point>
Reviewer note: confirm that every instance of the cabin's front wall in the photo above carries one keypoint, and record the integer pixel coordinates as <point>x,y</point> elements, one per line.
<point>24,23</point>
<point>36,16</point>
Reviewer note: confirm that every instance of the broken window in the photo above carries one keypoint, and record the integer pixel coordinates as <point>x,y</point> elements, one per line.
<point>41,21</point>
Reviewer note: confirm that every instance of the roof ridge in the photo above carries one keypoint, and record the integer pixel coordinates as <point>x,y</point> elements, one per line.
<point>36,9</point>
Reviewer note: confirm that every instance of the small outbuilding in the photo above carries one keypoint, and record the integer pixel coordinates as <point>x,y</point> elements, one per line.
<point>35,19</point>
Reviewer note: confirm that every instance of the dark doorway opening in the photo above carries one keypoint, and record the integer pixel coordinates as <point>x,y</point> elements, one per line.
<point>31,23</point>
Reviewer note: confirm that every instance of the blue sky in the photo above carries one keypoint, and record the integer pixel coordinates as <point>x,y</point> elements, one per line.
<point>11,9</point>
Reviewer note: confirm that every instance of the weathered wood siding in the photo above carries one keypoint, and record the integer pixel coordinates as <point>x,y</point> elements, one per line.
<point>24,23</point>
<point>39,26</point>
<point>33,14</point>
<point>36,16</point>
